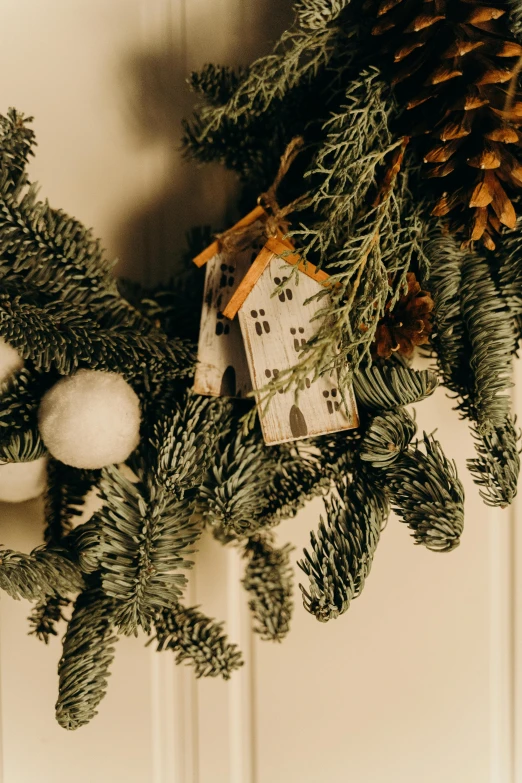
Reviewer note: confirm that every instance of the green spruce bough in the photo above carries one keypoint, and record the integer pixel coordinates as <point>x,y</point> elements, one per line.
<point>197,466</point>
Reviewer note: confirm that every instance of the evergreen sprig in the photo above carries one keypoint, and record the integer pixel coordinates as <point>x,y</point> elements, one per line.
<point>198,640</point>
<point>268,580</point>
<point>233,492</point>
<point>85,541</point>
<point>147,536</point>
<point>388,387</point>
<point>510,265</point>
<point>16,147</point>
<point>365,242</point>
<point>88,652</point>
<point>64,497</point>
<point>357,141</point>
<point>46,615</point>
<point>148,531</point>
<point>216,83</point>
<point>19,398</point>
<point>387,437</point>
<point>38,242</point>
<point>497,467</point>
<point>490,333</point>
<point>341,552</point>
<point>56,335</point>
<point>301,472</point>
<point>474,338</point>
<point>427,494</point>
<point>41,573</point>
<point>25,446</point>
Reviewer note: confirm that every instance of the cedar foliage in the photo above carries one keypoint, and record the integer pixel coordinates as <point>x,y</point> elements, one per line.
<point>365,218</point>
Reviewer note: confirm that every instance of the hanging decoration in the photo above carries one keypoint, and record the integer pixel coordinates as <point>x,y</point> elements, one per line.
<point>90,419</point>
<point>384,141</point>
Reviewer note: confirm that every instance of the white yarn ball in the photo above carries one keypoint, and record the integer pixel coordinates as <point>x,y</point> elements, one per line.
<point>90,419</point>
<point>21,481</point>
<point>10,360</point>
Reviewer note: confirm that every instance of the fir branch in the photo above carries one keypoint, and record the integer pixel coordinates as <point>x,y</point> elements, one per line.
<point>57,336</point>
<point>238,478</point>
<point>427,494</point>
<point>480,386</point>
<point>146,536</point>
<point>53,252</point>
<point>386,437</point>
<point>88,652</point>
<point>22,447</point>
<point>449,336</point>
<point>515,15</point>
<point>85,544</point>
<point>301,471</point>
<point>148,529</point>
<point>491,335</point>
<point>216,83</point>
<point>268,580</point>
<point>342,551</point>
<point>181,441</point>
<point>510,262</point>
<point>45,616</point>
<point>19,400</point>
<point>497,467</point>
<point>386,388</point>
<point>41,573</point>
<point>197,639</point>
<point>249,488</point>
<point>17,143</point>
<point>64,497</point>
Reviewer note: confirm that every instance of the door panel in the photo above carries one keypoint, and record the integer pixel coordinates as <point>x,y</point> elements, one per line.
<point>419,680</point>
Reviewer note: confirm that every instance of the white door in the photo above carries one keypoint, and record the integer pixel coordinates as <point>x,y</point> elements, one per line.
<point>420,681</point>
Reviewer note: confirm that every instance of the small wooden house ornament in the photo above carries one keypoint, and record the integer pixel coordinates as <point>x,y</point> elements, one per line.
<point>274,328</point>
<point>266,338</point>
<point>222,369</point>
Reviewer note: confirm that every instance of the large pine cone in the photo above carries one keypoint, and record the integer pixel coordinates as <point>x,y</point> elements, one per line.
<point>455,68</point>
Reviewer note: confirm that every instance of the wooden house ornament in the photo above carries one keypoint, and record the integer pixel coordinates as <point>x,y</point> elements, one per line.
<point>267,337</point>
<point>222,369</point>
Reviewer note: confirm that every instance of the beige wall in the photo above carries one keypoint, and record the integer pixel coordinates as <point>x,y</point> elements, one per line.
<point>418,683</point>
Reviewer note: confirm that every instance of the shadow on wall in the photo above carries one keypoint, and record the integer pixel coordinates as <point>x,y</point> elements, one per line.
<point>180,194</point>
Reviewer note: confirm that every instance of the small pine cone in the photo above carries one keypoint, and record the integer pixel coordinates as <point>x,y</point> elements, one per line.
<point>406,325</point>
<point>455,66</point>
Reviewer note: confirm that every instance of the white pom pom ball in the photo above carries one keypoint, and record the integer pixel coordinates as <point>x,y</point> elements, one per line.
<point>90,419</point>
<point>10,360</point>
<point>21,481</point>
